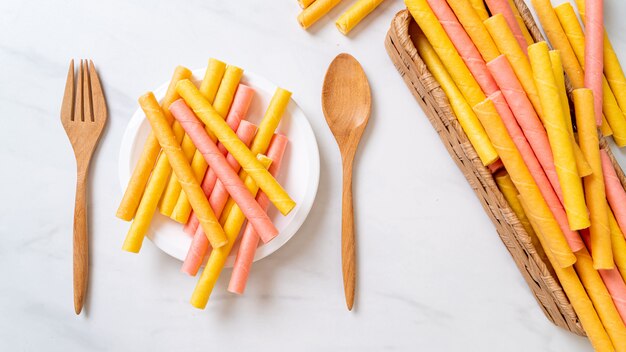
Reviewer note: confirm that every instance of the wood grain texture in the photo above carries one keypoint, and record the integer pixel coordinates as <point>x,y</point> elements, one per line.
<point>346,102</point>
<point>83,114</point>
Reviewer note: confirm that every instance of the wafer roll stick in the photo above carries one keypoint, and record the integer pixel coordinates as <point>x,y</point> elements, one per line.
<point>475,28</point>
<point>504,39</point>
<point>594,184</point>
<point>218,256</point>
<point>148,204</point>
<point>250,238</point>
<point>228,177</point>
<point>594,52</point>
<point>613,281</point>
<point>479,7</point>
<point>558,137</point>
<point>526,117</point>
<point>150,153</point>
<point>222,103</point>
<point>464,45</point>
<point>577,296</point>
<point>520,22</point>
<point>601,299</point>
<point>358,11</point>
<point>212,78</point>
<point>464,113</point>
<point>557,68</point>
<point>510,193</point>
<point>618,244</point>
<point>503,7</point>
<point>236,114</point>
<point>525,184</point>
<point>305,3</point>
<point>277,194</point>
<point>238,110</point>
<point>612,68</point>
<point>556,208</point>
<point>576,37</point>
<point>200,244</point>
<point>432,29</point>
<point>315,11</point>
<point>615,193</point>
<point>558,39</point>
<point>183,170</point>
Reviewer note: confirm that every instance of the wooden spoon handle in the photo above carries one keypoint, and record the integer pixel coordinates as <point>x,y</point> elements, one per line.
<point>348,264</point>
<point>81,244</point>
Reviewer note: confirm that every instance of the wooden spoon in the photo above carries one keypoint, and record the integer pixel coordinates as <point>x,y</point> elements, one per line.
<point>346,102</point>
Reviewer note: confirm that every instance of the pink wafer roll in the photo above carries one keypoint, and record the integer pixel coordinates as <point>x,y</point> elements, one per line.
<point>219,196</point>
<point>526,117</point>
<point>245,132</point>
<point>464,45</point>
<point>250,238</point>
<point>236,114</point>
<point>594,52</point>
<point>615,193</point>
<point>518,137</point>
<point>504,7</point>
<point>199,244</point>
<point>612,280</point>
<point>235,186</point>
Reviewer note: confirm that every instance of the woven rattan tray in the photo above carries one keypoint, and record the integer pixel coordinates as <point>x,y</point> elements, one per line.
<point>537,273</point>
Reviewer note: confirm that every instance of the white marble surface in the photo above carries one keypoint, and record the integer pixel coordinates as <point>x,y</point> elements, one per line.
<point>425,282</point>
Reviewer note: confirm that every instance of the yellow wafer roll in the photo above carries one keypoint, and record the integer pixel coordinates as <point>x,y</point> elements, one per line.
<point>183,170</point>
<point>148,205</point>
<point>612,68</point>
<point>557,68</point>
<point>524,182</point>
<point>601,299</point>
<point>274,191</point>
<point>576,37</point>
<point>595,194</point>
<point>271,119</point>
<point>475,28</point>
<point>577,296</point>
<point>618,244</point>
<point>463,111</point>
<point>558,39</point>
<point>510,193</point>
<point>305,3</point>
<point>315,11</point>
<point>223,100</point>
<point>355,14</point>
<point>139,179</point>
<point>479,7</point>
<point>430,26</point>
<point>508,45</point>
<point>520,22</point>
<point>605,128</point>
<point>217,258</point>
<point>212,78</point>
<point>562,148</point>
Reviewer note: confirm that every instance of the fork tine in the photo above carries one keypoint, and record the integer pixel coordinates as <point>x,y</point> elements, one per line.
<point>87,111</point>
<point>78,107</point>
<point>97,96</point>
<point>67,112</point>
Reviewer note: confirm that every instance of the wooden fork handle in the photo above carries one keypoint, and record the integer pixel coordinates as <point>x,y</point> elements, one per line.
<point>348,264</point>
<point>81,244</point>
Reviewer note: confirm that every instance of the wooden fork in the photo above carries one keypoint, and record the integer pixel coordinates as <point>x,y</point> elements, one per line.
<point>83,114</point>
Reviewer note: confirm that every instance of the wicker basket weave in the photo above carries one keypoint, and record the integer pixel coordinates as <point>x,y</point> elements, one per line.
<point>537,273</point>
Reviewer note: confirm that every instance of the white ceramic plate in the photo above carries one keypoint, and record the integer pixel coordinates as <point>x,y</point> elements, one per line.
<point>299,172</point>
